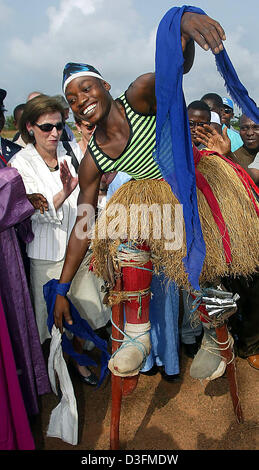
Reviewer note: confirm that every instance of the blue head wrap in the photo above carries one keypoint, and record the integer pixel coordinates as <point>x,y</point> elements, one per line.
<point>73,70</point>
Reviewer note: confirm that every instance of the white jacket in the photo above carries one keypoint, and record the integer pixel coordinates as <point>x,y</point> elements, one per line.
<point>51,229</point>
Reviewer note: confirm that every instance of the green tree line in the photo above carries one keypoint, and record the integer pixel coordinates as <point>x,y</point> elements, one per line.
<point>9,123</point>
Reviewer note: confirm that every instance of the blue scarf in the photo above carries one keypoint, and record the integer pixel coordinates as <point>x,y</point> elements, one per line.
<point>79,328</point>
<point>174,153</point>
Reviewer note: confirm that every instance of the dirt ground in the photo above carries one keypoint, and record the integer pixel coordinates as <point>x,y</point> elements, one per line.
<point>183,415</point>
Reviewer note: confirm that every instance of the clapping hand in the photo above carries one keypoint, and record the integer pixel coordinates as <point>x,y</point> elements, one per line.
<point>213,140</point>
<point>69,182</point>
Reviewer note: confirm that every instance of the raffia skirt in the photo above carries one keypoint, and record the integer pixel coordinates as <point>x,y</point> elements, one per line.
<point>120,222</point>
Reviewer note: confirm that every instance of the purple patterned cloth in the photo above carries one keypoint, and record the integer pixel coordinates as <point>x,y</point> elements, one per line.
<point>16,209</point>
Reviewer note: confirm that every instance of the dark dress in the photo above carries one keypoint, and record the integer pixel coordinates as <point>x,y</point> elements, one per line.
<point>9,148</point>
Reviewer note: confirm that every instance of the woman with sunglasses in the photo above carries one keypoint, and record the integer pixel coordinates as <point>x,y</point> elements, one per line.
<point>47,170</point>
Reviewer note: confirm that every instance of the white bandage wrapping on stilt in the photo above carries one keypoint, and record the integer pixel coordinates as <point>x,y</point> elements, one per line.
<point>133,352</point>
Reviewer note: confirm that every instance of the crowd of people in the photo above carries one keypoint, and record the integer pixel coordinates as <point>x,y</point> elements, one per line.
<point>45,172</point>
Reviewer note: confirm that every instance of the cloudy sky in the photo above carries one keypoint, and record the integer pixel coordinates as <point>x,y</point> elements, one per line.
<point>38,37</point>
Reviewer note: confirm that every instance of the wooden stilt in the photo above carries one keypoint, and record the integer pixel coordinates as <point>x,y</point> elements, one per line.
<point>117,317</point>
<point>115,414</point>
<point>129,384</point>
<point>222,336</point>
<point>120,386</point>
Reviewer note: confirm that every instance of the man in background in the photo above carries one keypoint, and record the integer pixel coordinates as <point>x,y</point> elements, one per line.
<point>7,147</point>
<point>227,114</point>
<point>249,134</point>
<point>17,113</point>
<point>216,104</point>
<point>67,134</point>
<point>199,114</point>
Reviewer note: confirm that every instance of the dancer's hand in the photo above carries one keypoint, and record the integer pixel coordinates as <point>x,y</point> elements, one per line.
<point>207,32</point>
<point>61,310</point>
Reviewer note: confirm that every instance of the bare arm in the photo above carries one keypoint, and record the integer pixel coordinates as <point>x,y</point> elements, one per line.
<point>254,173</point>
<point>141,93</point>
<point>89,181</point>
<point>202,29</point>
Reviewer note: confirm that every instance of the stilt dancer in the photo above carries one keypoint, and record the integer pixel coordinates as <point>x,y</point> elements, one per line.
<point>127,133</point>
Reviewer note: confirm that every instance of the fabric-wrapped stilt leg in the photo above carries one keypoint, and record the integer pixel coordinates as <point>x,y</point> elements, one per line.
<point>137,275</point>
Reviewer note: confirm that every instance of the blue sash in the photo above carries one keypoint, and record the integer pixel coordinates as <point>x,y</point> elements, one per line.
<point>79,328</point>
<point>174,153</point>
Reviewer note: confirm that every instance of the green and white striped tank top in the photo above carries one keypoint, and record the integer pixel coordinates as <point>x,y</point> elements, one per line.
<point>137,158</point>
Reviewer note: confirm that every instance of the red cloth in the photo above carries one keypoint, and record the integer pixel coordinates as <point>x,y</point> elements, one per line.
<point>241,173</point>
<point>204,186</point>
<point>203,310</point>
<point>3,159</point>
<point>135,279</point>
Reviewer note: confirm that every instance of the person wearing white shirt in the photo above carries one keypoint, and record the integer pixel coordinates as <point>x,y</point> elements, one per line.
<point>50,177</point>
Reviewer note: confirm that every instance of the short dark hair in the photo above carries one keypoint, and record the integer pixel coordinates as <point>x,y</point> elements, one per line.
<point>244,116</point>
<point>35,108</point>
<point>19,107</point>
<point>200,106</point>
<point>214,97</point>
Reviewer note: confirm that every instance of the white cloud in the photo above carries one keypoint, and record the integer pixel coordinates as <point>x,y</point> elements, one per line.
<point>106,33</point>
<point>109,34</point>
<point>59,16</point>
<point>204,77</point>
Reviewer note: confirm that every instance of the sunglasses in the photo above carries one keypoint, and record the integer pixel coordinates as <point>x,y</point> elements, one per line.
<point>195,124</point>
<point>90,126</point>
<point>227,110</point>
<point>48,127</point>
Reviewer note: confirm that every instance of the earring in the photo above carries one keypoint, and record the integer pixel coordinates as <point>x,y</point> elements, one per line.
<point>31,133</point>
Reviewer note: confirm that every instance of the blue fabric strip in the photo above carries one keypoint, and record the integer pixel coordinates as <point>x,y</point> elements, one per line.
<point>62,289</point>
<point>173,152</point>
<point>235,88</point>
<point>80,328</point>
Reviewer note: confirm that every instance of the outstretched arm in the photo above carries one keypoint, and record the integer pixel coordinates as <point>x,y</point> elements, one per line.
<point>89,181</point>
<point>202,29</point>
